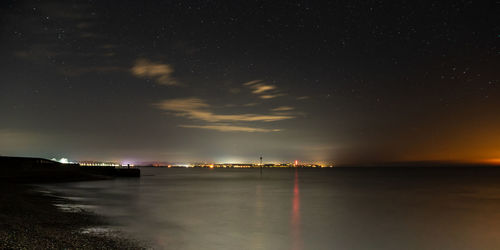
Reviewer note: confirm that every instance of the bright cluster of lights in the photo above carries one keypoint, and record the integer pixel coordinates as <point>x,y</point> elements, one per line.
<point>234,166</point>
<point>243,165</point>
<point>175,166</point>
<point>62,160</point>
<point>104,164</point>
<point>101,164</point>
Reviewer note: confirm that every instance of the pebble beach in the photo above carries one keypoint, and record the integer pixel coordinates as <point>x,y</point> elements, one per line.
<point>30,220</point>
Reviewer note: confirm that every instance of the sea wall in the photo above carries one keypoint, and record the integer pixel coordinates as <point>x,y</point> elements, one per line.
<point>36,170</point>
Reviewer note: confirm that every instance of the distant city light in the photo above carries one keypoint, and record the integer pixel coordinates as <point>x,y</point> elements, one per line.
<point>245,165</point>
<point>207,165</point>
<point>103,164</point>
<point>62,160</point>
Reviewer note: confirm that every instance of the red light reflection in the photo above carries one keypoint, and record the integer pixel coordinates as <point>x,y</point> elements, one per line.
<point>295,219</point>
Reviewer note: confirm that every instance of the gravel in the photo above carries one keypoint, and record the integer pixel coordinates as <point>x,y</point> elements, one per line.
<point>29,220</point>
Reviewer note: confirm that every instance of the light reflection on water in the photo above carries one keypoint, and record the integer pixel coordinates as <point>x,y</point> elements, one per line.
<point>295,220</point>
<point>296,209</point>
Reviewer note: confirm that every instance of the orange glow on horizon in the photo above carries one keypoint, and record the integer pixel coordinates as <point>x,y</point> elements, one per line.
<point>494,161</point>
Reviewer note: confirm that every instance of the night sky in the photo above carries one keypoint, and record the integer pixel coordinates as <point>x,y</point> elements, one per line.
<point>348,82</point>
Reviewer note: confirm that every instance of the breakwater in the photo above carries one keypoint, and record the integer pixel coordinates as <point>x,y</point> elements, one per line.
<point>33,170</point>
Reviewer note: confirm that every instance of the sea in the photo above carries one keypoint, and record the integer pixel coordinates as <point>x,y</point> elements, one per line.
<point>296,208</point>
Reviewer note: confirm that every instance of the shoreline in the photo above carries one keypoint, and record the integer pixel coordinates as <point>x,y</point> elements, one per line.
<point>29,219</point>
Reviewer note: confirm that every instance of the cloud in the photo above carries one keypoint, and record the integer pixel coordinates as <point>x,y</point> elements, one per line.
<point>251,104</point>
<point>252,82</point>
<point>161,73</point>
<point>282,108</point>
<point>259,88</point>
<point>264,91</point>
<point>197,109</point>
<point>183,104</point>
<point>270,96</point>
<point>230,128</point>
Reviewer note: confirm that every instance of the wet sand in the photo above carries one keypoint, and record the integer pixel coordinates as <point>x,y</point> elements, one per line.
<point>29,220</point>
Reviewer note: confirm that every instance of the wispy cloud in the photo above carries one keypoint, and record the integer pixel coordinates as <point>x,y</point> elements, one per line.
<point>251,104</point>
<point>251,82</point>
<point>159,72</point>
<point>230,128</point>
<point>263,90</point>
<point>259,88</point>
<point>197,109</point>
<point>282,108</point>
<point>270,96</point>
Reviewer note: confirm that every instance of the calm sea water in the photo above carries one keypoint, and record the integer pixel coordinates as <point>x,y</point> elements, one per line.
<point>297,208</point>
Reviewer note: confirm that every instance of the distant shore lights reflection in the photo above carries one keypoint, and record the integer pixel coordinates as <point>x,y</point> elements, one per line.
<point>295,215</point>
